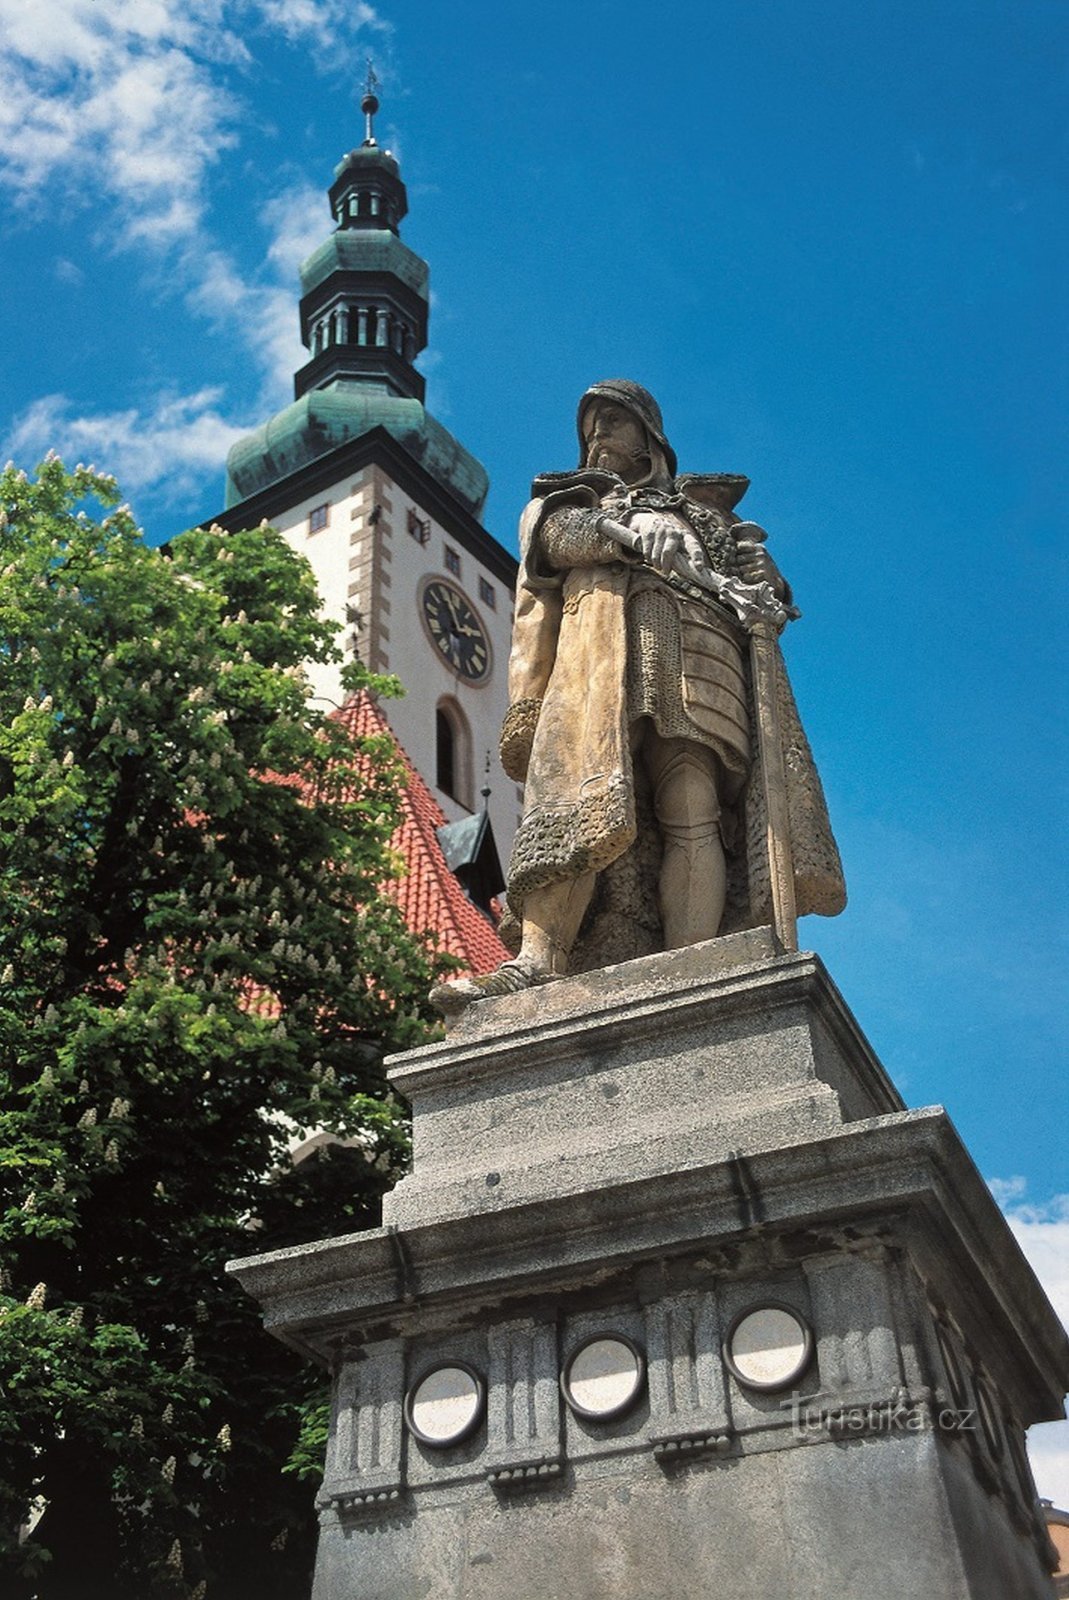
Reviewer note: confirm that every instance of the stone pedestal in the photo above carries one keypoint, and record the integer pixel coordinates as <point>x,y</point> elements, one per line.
<point>647,1154</point>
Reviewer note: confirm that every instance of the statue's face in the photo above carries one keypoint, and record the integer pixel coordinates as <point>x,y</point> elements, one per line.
<point>615,440</point>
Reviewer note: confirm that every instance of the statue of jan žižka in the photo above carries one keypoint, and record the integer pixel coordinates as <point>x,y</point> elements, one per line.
<point>636,722</point>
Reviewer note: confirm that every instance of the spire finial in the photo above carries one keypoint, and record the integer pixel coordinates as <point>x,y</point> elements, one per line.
<point>370,103</point>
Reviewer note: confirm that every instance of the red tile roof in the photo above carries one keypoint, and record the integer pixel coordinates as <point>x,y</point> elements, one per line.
<point>429,895</point>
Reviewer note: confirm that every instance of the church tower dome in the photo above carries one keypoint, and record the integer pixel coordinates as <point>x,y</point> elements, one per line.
<point>363,319</point>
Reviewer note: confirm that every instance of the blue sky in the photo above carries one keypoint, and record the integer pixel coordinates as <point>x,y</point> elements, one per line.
<point>831,238</point>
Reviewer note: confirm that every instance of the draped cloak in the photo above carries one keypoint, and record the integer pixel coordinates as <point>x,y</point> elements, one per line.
<point>567,737</point>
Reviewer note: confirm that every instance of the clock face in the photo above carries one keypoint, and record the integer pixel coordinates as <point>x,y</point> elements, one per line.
<point>456,630</point>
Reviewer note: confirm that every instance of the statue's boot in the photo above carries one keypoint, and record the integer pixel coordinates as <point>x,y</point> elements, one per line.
<point>551,918</point>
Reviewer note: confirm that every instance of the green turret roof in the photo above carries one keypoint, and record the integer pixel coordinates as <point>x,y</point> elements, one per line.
<point>363,316</point>
<point>325,418</point>
<point>365,250</point>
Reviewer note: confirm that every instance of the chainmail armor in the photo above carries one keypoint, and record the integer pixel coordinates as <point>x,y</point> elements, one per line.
<point>570,538</point>
<point>684,670</point>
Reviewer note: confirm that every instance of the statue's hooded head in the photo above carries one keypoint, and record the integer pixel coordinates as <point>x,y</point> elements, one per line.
<point>641,404</point>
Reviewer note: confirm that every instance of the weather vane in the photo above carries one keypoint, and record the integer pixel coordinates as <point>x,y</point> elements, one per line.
<point>370,103</point>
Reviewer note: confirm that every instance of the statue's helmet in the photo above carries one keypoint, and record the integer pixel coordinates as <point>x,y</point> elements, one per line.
<point>641,404</point>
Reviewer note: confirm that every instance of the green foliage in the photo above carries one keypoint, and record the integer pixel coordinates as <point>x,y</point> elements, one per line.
<point>197,964</point>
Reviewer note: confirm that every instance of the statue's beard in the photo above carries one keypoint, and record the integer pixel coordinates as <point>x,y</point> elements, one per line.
<point>631,465</point>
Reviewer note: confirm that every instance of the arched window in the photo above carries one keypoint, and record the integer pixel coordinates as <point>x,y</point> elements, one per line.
<point>446,745</point>
<point>453,751</point>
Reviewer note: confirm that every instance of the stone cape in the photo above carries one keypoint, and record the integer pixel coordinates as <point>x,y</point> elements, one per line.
<point>566,736</point>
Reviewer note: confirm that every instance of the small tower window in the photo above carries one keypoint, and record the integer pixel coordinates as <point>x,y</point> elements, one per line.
<point>486,594</point>
<point>354,205</point>
<point>452,561</point>
<point>319,518</point>
<point>419,527</point>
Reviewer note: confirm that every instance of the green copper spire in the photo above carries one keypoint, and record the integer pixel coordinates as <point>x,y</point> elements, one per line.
<point>363,310</point>
<point>364,306</point>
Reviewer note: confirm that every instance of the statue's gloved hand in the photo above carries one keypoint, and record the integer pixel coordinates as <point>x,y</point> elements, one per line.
<point>691,560</point>
<point>658,539</point>
<point>755,563</point>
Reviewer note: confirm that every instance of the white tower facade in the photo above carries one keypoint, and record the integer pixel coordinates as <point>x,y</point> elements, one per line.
<point>385,503</point>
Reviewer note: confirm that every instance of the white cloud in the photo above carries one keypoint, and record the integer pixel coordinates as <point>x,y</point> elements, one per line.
<point>128,101</point>
<point>118,98</point>
<point>172,445</point>
<point>298,220</point>
<point>326,27</point>
<point>1042,1231</point>
<point>126,105</point>
<point>279,347</point>
<point>68,272</point>
<point>1048,1452</point>
<point>263,315</point>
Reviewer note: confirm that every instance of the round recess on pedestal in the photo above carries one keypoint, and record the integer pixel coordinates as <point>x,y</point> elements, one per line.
<point>603,1376</point>
<point>445,1404</point>
<point>768,1346</point>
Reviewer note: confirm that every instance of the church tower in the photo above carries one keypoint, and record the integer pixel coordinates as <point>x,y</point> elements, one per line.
<point>384,501</point>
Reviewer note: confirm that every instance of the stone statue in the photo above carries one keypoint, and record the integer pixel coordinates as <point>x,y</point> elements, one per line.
<point>670,790</point>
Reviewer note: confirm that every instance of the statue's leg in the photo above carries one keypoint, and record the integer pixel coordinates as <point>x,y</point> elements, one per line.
<point>551,918</point>
<point>693,881</point>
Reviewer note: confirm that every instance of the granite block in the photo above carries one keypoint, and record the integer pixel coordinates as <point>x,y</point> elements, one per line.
<point>648,1151</point>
